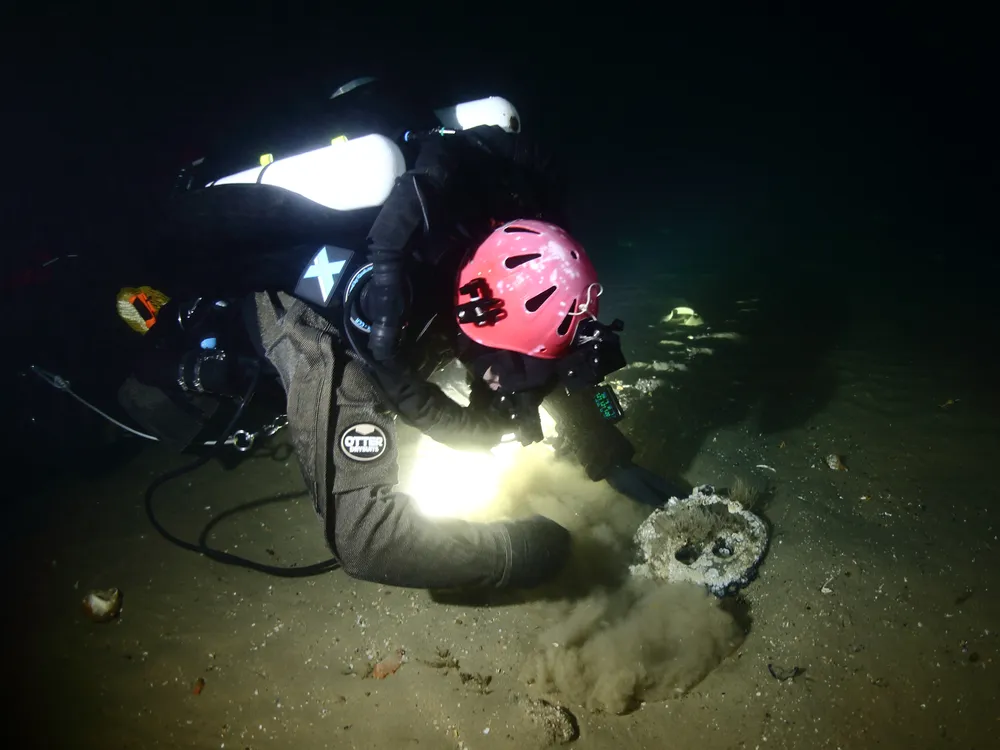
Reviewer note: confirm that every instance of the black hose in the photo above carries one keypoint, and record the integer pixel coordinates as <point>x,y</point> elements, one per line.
<point>202,547</point>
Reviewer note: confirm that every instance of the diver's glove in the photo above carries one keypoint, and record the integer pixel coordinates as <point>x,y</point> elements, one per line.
<point>539,548</point>
<point>644,486</point>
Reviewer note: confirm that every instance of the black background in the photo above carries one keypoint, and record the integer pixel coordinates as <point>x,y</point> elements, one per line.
<point>861,141</point>
<point>876,119</point>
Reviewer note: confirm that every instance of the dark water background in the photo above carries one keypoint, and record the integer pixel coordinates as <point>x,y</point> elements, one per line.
<point>837,169</point>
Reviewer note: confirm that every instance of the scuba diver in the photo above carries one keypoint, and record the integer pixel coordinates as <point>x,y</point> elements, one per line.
<point>351,272</point>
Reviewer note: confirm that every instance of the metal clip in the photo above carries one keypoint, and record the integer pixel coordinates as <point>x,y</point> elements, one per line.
<point>280,422</point>
<point>243,440</point>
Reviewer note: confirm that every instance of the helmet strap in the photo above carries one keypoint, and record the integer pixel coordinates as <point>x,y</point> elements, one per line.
<point>483,309</point>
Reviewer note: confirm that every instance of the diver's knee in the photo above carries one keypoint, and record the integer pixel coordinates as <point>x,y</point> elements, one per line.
<point>350,553</point>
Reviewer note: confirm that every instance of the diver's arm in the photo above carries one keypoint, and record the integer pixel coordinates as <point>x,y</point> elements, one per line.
<point>380,535</point>
<point>604,452</point>
<point>416,197</point>
<point>597,444</point>
<point>425,406</point>
<point>391,239</point>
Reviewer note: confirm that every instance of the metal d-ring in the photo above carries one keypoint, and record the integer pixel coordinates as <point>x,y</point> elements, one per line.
<point>243,440</point>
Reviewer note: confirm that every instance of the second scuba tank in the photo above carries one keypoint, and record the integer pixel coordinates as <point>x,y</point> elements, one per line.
<point>347,175</point>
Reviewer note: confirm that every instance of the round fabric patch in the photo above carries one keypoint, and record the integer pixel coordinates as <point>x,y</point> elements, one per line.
<point>363,442</point>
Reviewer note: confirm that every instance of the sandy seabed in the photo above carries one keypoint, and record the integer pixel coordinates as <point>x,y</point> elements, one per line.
<point>873,623</point>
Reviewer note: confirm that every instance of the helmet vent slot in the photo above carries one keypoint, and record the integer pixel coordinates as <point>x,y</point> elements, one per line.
<point>538,300</point>
<point>519,260</point>
<point>567,321</point>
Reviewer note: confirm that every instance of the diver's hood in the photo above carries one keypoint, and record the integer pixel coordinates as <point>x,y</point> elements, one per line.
<point>596,353</point>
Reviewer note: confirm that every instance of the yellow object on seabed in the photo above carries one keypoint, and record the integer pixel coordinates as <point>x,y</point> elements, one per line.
<point>138,306</point>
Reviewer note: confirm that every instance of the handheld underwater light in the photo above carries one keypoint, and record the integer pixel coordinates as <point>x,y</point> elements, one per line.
<point>449,483</point>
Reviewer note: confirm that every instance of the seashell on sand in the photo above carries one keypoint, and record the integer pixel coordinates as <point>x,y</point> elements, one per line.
<point>102,605</point>
<point>836,462</point>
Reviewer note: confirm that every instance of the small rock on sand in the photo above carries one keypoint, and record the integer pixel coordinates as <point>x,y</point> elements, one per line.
<point>558,724</point>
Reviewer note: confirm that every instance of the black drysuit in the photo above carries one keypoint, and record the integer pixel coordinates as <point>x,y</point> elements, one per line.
<point>457,188</point>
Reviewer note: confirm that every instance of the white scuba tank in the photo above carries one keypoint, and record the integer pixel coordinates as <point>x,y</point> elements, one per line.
<point>359,173</point>
<point>493,110</point>
<point>345,176</point>
<point>353,174</point>
<point>356,174</point>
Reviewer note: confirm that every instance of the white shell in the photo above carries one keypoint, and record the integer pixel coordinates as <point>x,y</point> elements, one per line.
<point>103,605</point>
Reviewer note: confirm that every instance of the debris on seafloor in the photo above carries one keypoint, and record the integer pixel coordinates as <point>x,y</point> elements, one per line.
<point>825,588</point>
<point>447,663</point>
<point>389,665</point>
<point>558,724</point>
<point>481,682</point>
<point>198,686</point>
<point>443,660</point>
<point>836,462</point>
<point>102,605</point>
<point>746,495</point>
<point>783,674</point>
<point>705,539</point>
<point>684,316</point>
